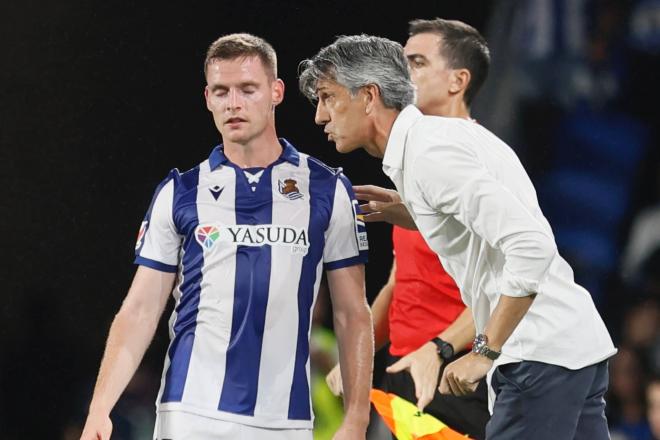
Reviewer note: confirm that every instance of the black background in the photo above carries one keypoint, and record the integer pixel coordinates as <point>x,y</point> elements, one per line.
<point>98,101</point>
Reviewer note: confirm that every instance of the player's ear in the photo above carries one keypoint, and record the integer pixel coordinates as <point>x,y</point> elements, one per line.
<point>206,97</point>
<point>277,91</point>
<point>371,95</point>
<point>460,78</point>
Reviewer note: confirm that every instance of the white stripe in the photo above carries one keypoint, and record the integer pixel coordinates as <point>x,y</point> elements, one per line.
<point>161,241</point>
<point>278,350</point>
<point>206,371</point>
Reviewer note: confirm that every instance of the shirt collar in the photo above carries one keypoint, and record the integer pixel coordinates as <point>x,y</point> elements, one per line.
<point>395,148</point>
<point>289,154</point>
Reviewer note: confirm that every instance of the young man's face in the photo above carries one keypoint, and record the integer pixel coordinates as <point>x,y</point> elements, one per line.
<point>241,96</point>
<point>343,115</point>
<point>429,71</point>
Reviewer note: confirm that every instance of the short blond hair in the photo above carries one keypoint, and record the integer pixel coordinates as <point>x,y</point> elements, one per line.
<point>232,46</point>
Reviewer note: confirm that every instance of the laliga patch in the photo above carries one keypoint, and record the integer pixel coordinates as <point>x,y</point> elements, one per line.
<point>363,242</point>
<point>360,228</point>
<point>141,232</point>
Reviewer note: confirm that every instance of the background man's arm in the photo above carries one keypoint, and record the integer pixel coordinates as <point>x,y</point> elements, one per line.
<point>424,363</point>
<point>353,327</point>
<point>130,334</point>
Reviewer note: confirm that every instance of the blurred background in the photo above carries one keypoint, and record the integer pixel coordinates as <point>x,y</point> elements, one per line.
<point>99,100</point>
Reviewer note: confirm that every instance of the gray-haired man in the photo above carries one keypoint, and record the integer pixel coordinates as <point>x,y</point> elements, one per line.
<point>476,207</point>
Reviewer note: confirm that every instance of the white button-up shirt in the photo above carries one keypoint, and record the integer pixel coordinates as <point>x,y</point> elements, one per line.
<point>477,209</point>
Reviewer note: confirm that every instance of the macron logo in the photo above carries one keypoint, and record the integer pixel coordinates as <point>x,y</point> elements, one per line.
<point>216,191</point>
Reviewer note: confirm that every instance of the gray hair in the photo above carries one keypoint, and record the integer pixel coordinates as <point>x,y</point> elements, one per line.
<point>359,60</point>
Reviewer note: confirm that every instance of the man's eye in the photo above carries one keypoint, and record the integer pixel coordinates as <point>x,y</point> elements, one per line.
<point>249,91</point>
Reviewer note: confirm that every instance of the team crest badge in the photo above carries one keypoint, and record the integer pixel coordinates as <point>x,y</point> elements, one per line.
<point>140,237</point>
<point>289,189</point>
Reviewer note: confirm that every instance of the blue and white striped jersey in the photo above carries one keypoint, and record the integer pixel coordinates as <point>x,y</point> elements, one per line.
<point>249,250</point>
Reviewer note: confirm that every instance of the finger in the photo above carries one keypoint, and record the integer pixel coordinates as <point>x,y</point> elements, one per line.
<point>375,217</point>
<point>366,208</point>
<point>444,386</point>
<point>398,366</point>
<point>428,390</point>
<point>460,386</point>
<point>471,387</point>
<point>451,381</point>
<point>332,384</point>
<point>371,192</point>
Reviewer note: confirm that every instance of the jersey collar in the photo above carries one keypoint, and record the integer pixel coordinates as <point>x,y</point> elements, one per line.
<point>289,154</point>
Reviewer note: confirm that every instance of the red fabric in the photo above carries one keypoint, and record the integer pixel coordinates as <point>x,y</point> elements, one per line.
<point>425,299</point>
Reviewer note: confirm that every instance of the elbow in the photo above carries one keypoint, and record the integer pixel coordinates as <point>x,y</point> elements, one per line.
<point>355,318</point>
<point>137,314</point>
<point>527,265</point>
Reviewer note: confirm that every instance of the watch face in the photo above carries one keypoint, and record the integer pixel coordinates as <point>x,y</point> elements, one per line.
<point>446,352</point>
<point>479,343</point>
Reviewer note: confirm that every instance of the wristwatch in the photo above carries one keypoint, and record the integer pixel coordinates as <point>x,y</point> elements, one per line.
<point>480,346</point>
<point>445,349</point>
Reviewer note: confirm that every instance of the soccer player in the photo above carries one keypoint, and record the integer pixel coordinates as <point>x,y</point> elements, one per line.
<point>241,241</point>
<point>470,197</point>
<point>415,310</point>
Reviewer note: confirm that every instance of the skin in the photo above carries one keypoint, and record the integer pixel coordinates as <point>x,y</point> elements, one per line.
<point>241,95</point>
<point>363,122</point>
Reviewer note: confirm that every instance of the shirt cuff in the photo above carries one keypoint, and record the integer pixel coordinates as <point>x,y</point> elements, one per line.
<point>361,258</point>
<point>155,264</point>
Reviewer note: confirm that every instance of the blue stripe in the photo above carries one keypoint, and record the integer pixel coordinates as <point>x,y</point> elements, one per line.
<point>321,195</point>
<point>340,264</point>
<point>148,262</point>
<point>186,219</point>
<point>239,390</point>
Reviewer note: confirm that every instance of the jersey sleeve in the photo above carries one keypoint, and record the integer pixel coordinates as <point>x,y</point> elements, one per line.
<point>346,241</point>
<point>158,241</point>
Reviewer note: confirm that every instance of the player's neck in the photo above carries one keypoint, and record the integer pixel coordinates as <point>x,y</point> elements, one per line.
<point>259,152</point>
<point>454,108</point>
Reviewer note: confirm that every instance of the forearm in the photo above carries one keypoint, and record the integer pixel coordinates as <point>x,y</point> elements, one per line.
<point>461,332</point>
<point>380,312</point>
<point>356,351</point>
<point>129,337</point>
<point>505,318</point>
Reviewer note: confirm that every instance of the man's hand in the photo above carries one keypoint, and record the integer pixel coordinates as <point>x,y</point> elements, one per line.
<point>351,431</point>
<point>333,379</point>
<point>384,205</point>
<point>97,428</point>
<point>462,376</point>
<point>424,367</point>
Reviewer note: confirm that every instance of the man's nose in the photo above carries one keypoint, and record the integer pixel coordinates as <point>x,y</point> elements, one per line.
<point>233,100</point>
<point>322,116</point>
